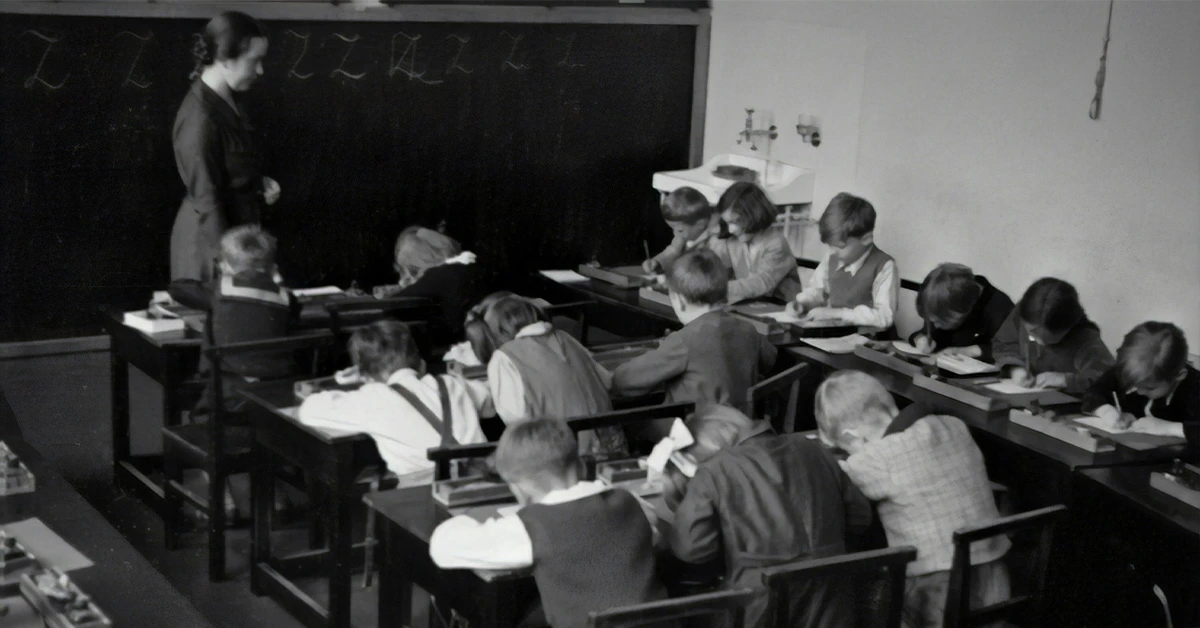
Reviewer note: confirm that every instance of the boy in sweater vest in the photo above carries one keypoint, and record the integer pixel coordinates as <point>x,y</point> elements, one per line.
<point>591,546</point>
<point>715,358</point>
<point>928,481</point>
<point>858,284</point>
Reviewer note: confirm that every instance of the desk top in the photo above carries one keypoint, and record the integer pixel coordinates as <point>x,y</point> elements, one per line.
<point>1133,484</point>
<point>122,582</point>
<point>279,399</point>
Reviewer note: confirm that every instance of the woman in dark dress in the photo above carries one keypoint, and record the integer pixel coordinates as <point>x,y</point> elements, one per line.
<point>216,148</point>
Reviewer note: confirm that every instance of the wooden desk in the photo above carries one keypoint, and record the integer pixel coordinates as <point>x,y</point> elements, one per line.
<point>332,463</point>
<point>169,362</point>
<point>407,517</point>
<point>1136,537</point>
<point>122,582</point>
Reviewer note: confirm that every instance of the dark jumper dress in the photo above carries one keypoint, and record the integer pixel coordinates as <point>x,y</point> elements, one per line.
<point>221,164</point>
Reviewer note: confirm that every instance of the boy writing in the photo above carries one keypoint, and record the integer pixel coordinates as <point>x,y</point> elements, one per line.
<point>715,358</point>
<point>929,480</point>
<point>693,223</point>
<point>591,547</point>
<point>857,284</point>
<point>402,407</point>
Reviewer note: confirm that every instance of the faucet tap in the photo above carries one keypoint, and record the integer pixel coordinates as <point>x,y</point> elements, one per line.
<point>749,133</point>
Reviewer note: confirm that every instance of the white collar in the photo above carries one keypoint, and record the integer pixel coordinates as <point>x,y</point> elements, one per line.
<point>856,265</point>
<point>403,374</point>
<point>535,329</point>
<point>709,232</point>
<point>579,491</point>
<point>1166,401</point>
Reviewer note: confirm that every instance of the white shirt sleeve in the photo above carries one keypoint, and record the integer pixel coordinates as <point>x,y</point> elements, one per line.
<point>817,292</point>
<point>885,293</point>
<point>498,543</point>
<point>480,397</point>
<point>329,409</point>
<point>508,389</point>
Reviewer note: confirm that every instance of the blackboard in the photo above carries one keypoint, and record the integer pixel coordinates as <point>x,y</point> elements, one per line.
<point>534,143</point>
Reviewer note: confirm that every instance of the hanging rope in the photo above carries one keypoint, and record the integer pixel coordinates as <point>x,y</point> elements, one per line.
<point>1094,111</point>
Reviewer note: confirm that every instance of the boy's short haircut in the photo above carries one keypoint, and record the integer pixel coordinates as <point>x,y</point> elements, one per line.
<point>1051,304</point>
<point>714,428</point>
<point>686,205</point>
<point>1152,353</point>
<point>948,294</point>
<point>382,348</point>
<point>754,210</point>
<point>845,399</point>
<point>847,216</point>
<point>699,277</point>
<point>248,247</point>
<point>537,450</point>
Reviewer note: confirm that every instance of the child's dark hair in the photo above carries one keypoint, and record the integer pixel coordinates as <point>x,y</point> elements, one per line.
<point>536,451</point>
<point>225,37</point>
<point>248,247</point>
<point>948,294</point>
<point>847,216</point>
<point>699,277</point>
<point>382,348</point>
<point>686,205</point>
<point>1152,353</point>
<point>754,210</point>
<point>496,320</point>
<point>1051,304</point>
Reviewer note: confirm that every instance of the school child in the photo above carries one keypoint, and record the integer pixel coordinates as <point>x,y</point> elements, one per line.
<point>715,358</point>
<point>246,304</point>
<point>405,410</point>
<point>928,481</point>
<point>693,223</point>
<point>591,546</point>
<point>962,312</point>
<point>1151,388</point>
<point>758,256</point>
<point>433,265</point>
<point>1049,342</point>
<point>761,499</point>
<point>858,283</point>
<point>538,372</point>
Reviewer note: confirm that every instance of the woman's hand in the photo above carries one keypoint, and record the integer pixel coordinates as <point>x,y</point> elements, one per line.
<point>271,190</point>
<point>924,344</point>
<point>1050,380</point>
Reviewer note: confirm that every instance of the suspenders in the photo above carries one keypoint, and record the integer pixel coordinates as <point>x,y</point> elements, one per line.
<point>440,426</point>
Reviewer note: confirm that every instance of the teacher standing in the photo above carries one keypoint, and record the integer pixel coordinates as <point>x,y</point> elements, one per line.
<point>216,148</point>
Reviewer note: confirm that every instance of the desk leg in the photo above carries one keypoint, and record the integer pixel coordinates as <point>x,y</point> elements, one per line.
<point>262,506</point>
<point>342,547</point>
<point>119,368</point>
<point>395,591</point>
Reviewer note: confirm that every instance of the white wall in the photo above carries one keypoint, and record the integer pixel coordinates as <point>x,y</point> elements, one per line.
<point>966,124</point>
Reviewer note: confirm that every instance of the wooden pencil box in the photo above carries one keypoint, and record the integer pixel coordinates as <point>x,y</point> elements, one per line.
<point>654,294</point>
<point>963,394</point>
<point>60,603</point>
<point>1171,485</point>
<point>470,491</point>
<point>622,276</point>
<point>1063,430</point>
<point>888,360</point>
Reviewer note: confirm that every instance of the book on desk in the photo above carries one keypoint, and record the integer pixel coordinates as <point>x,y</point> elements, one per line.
<point>1181,482</point>
<point>621,276</point>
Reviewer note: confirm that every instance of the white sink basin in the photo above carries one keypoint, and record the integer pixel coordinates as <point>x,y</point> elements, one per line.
<point>785,184</point>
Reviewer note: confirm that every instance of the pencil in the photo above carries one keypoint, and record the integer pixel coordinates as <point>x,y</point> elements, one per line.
<point>646,248</point>
<point>1117,403</point>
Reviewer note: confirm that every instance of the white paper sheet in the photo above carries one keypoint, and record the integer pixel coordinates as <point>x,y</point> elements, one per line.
<point>844,344</point>
<point>962,365</point>
<point>906,348</point>
<point>1009,387</point>
<point>316,292</point>
<point>782,316</point>
<point>1108,426</point>
<point>563,276</point>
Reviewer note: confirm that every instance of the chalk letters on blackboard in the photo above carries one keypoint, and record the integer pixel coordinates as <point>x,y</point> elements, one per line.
<point>37,74</point>
<point>129,80</point>
<point>340,70</point>
<point>303,51</point>
<point>407,64</point>
<point>512,61</point>
<point>454,63</point>
<point>566,61</point>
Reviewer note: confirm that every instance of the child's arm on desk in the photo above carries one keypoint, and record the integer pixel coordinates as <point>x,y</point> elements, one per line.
<point>499,543</point>
<point>647,371</point>
<point>816,293</point>
<point>191,293</point>
<point>771,266</point>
